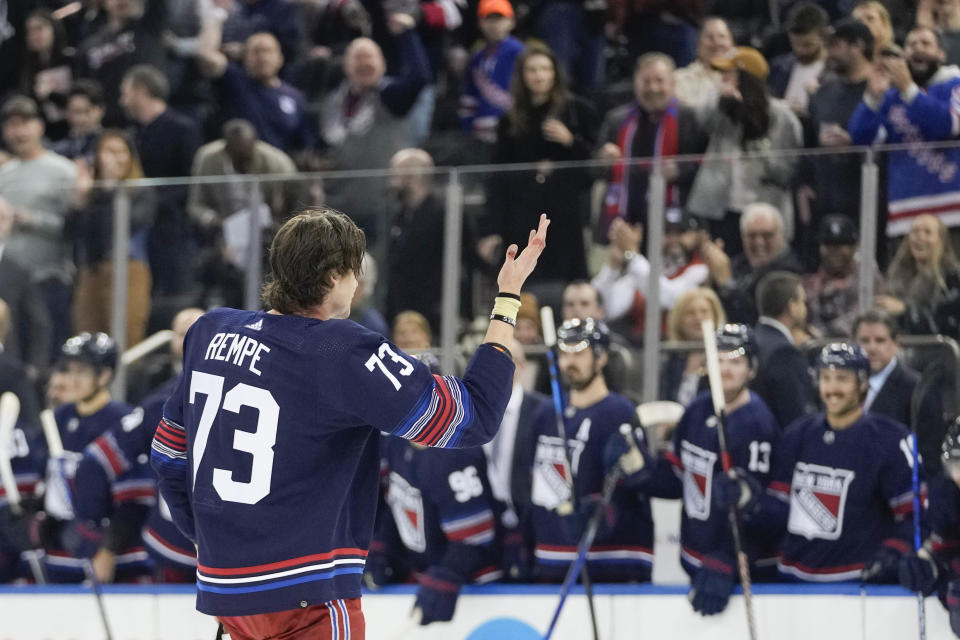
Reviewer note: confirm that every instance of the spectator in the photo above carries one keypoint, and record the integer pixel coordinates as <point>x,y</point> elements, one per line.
<point>654,126</point>
<point>765,249</point>
<point>624,280</point>
<point>364,121</point>
<point>255,92</point>
<point>923,281</point>
<point>546,124</point>
<point>698,82</point>
<point>681,376</point>
<point>745,121</point>
<point>84,113</point>
<point>47,74</point>
<point>411,331</point>
<point>223,210</point>
<point>131,35</point>
<point>166,143</point>
<point>415,245</point>
<point>528,330</point>
<point>850,51</point>
<point>622,549</point>
<point>362,309</point>
<point>909,100</point>
<point>39,185</point>
<point>28,337</point>
<point>893,386</point>
<point>833,292</point>
<point>573,31</point>
<point>783,379</point>
<point>873,14</point>
<point>796,75</point>
<point>115,161</point>
<point>248,17</point>
<point>486,90</point>
<point>16,377</point>
<point>944,16</point>
<point>189,90</point>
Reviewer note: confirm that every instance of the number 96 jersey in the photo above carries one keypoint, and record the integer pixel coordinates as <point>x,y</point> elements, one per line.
<point>268,456</point>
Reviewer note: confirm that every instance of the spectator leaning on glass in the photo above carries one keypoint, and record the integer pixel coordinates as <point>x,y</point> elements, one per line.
<point>751,127</point>
<point>38,184</point>
<point>910,98</point>
<point>923,281</point>
<point>115,161</point>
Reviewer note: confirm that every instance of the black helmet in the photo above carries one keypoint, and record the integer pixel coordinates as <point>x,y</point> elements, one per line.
<point>736,338</point>
<point>844,355</point>
<point>950,449</point>
<point>96,349</point>
<point>577,334</point>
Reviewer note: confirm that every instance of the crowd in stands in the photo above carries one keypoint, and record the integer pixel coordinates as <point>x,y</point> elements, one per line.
<point>760,232</point>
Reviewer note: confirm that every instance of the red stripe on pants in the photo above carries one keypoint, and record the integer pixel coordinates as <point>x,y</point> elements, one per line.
<point>308,623</point>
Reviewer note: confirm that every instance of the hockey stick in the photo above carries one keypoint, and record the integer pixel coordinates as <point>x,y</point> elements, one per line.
<point>927,379</point>
<point>566,508</point>
<point>586,541</point>
<point>9,412</point>
<point>719,409</point>
<point>55,449</point>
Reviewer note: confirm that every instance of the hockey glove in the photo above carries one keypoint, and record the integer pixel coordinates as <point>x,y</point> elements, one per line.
<point>736,488</point>
<point>626,451</point>
<point>918,572</point>
<point>81,538</point>
<point>883,567</point>
<point>712,585</point>
<point>437,597</point>
<point>953,605</point>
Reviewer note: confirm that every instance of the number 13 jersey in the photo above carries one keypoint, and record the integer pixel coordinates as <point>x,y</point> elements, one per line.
<point>268,457</point>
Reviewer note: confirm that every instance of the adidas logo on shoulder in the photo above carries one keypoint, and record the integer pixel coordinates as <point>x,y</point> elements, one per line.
<point>256,326</point>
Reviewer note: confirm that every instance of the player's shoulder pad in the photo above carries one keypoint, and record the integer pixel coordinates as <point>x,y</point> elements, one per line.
<point>802,425</point>
<point>886,427</point>
<point>761,410</point>
<point>619,403</point>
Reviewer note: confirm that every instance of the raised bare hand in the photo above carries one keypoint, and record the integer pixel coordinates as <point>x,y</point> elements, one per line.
<point>517,268</point>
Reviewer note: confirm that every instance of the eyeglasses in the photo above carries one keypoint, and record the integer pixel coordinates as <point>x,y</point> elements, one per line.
<point>760,235</point>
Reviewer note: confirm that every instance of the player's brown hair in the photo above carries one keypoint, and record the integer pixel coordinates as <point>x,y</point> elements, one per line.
<point>308,249</point>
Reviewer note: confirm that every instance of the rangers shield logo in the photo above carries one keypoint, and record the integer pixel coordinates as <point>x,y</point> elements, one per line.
<point>551,487</point>
<point>406,503</point>
<point>697,479</point>
<point>818,496</point>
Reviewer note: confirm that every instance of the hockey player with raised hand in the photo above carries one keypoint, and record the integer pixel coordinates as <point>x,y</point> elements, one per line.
<point>691,469</point>
<point>841,483</point>
<point>623,548</point>
<point>268,450</point>
<point>936,566</point>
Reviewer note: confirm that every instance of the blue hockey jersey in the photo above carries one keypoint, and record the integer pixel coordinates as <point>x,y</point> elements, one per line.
<point>841,494</point>
<point>689,465</point>
<point>443,508</point>
<point>623,548</point>
<point>486,89</point>
<point>268,452</point>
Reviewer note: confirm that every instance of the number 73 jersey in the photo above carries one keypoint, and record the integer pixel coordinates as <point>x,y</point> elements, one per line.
<point>268,454</point>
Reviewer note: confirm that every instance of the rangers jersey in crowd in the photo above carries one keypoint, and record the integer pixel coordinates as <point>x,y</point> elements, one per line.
<point>443,508</point>
<point>268,450</point>
<point>687,470</point>
<point>842,495</point>
<point>623,549</point>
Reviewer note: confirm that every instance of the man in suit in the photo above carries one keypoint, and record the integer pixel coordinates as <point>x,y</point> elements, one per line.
<point>893,385</point>
<point>509,464</point>
<point>28,340</point>
<point>783,379</point>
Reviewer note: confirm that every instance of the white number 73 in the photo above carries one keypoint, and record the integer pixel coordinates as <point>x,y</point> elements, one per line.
<point>376,361</point>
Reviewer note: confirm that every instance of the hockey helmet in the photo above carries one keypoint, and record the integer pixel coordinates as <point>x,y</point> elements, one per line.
<point>844,355</point>
<point>577,334</point>
<point>735,340</point>
<point>96,349</point>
